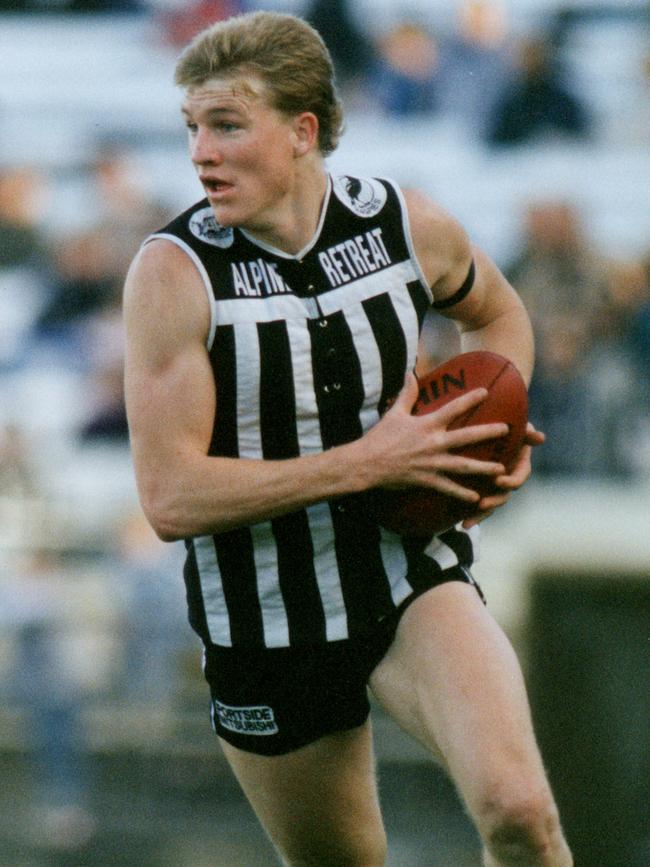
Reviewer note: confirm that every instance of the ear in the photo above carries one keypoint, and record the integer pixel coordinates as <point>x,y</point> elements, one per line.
<point>305,133</point>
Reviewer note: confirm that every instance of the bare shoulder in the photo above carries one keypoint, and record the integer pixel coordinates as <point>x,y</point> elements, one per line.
<point>440,242</point>
<point>159,265</point>
<point>164,292</point>
<point>434,227</point>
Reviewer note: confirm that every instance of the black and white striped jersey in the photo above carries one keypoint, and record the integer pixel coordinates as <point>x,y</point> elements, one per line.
<point>307,350</point>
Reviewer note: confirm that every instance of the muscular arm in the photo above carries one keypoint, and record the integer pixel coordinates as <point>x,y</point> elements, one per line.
<point>492,315</point>
<point>170,397</point>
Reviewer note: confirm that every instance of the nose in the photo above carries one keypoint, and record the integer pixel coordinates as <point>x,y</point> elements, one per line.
<point>203,149</point>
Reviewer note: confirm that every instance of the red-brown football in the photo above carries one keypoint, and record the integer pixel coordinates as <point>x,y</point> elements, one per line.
<point>419,511</point>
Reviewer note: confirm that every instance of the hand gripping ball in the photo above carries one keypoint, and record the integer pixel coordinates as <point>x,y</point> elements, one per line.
<point>417,511</point>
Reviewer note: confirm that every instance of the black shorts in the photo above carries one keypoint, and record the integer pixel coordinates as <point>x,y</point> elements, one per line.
<point>271,701</point>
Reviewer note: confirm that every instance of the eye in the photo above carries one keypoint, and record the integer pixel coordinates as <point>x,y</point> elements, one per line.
<point>191,127</point>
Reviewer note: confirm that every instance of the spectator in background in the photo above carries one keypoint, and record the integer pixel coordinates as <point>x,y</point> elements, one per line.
<point>185,20</point>
<point>17,473</point>
<point>629,287</point>
<point>126,212</point>
<point>404,81</point>
<point>537,101</point>
<point>351,48</point>
<point>557,270</point>
<point>80,319</point>
<point>475,64</point>
<point>111,6</point>
<point>581,393</point>
<point>35,602</point>
<point>59,6</point>
<point>103,347</point>
<point>637,345</point>
<point>154,647</point>
<point>584,392</point>
<point>21,239</point>
<point>82,282</point>
<point>89,266</point>
<point>560,398</point>
<point>623,359</point>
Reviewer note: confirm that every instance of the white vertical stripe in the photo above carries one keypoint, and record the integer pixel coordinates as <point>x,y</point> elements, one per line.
<point>274,614</point>
<point>214,600</point>
<point>408,318</point>
<point>326,567</point>
<point>247,351</point>
<point>395,564</point>
<point>474,534</point>
<point>444,556</point>
<point>308,432</point>
<point>371,369</point>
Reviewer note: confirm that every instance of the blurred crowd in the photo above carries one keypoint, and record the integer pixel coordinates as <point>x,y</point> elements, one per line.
<point>61,290</point>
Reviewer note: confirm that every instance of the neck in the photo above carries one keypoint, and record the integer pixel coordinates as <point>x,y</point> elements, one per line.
<point>295,220</point>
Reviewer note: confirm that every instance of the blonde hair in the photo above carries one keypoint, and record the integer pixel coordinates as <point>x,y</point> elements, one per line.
<point>284,52</point>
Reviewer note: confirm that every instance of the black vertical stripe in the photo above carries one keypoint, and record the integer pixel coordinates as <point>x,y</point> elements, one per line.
<point>364,582</point>
<point>461,544</point>
<point>421,569</point>
<point>239,579</point>
<point>194,594</point>
<point>391,341</point>
<point>297,574</point>
<point>223,359</point>
<point>337,380</point>
<point>277,396</point>
<point>420,299</point>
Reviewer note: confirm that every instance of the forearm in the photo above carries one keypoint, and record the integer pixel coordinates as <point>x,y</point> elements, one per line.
<point>211,494</point>
<point>510,335</point>
<point>186,493</point>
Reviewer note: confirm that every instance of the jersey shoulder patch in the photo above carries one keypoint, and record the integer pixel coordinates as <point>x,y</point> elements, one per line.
<point>365,197</point>
<point>203,225</point>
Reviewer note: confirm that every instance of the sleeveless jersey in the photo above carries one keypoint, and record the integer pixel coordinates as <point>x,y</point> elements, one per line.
<point>307,351</point>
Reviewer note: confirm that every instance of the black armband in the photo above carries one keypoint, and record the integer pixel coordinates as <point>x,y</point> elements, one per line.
<point>460,293</point>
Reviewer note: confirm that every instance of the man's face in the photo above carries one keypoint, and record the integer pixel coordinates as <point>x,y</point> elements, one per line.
<point>243,150</point>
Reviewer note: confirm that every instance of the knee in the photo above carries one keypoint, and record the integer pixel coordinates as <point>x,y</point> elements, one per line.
<point>522,826</point>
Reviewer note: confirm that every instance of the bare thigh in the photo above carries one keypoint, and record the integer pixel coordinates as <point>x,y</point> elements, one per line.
<point>452,680</point>
<point>318,804</point>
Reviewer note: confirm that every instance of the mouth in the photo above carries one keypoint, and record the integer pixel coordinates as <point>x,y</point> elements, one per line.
<point>215,187</point>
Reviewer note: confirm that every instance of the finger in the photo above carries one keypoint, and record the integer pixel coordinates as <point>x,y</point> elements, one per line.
<point>465,436</point>
<point>462,465</point>
<point>409,393</point>
<point>535,437</point>
<point>468,523</point>
<point>448,486</point>
<point>519,474</point>
<point>486,507</point>
<point>492,502</point>
<point>459,405</point>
